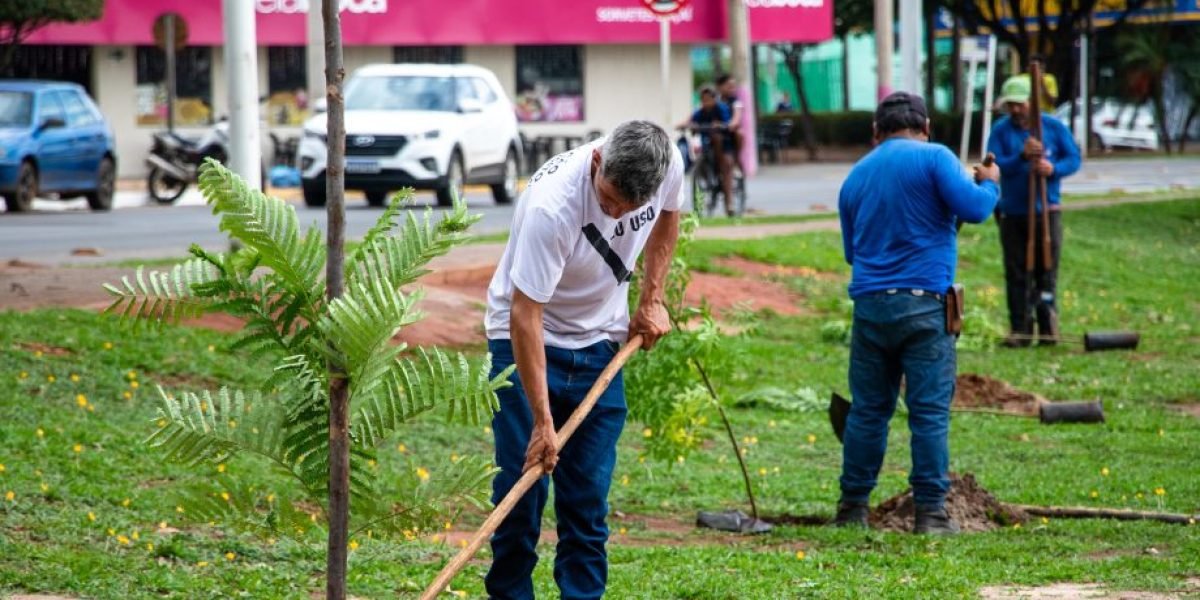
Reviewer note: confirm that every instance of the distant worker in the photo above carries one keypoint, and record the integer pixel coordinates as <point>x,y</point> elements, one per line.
<point>898,208</point>
<point>1054,158</point>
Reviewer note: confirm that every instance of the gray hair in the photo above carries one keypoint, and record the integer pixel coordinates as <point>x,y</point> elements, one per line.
<point>635,159</point>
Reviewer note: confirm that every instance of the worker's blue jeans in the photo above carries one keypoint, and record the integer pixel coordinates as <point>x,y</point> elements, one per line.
<point>899,334</point>
<point>581,479</point>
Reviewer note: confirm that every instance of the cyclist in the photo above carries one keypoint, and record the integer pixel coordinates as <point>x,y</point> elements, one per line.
<point>727,91</point>
<point>712,121</point>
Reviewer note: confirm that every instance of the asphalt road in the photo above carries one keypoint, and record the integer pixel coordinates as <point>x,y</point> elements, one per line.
<point>137,228</point>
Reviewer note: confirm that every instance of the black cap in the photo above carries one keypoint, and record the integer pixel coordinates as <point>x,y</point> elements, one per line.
<point>899,104</point>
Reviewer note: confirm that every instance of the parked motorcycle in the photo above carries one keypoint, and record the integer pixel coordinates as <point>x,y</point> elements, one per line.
<point>175,160</point>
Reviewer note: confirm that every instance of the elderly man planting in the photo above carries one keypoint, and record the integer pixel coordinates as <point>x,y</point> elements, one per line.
<point>558,308</point>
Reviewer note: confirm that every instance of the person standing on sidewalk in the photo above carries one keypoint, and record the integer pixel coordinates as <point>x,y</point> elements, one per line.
<point>1054,158</point>
<point>898,208</point>
<point>557,308</point>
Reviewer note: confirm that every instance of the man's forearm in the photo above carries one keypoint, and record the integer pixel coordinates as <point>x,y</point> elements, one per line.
<point>529,350</point>
<point>660,249</point>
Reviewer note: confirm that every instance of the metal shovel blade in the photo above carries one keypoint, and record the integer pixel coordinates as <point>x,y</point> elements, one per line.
<point>839,409</point>
<point>731,520</point>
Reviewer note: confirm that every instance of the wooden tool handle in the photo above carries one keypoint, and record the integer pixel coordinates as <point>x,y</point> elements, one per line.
<point>532,475</point>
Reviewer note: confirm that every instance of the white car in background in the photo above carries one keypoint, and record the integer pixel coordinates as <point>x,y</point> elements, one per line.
<point>1116,125</point>
<point>433,127</point>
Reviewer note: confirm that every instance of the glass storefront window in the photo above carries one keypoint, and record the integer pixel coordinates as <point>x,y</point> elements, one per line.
<point>549,83</point>
<point>287,85</point>
<point>193,86</point>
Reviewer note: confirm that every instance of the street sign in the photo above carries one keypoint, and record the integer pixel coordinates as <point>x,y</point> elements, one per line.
<point>664,8</point>
<point>163,27</point>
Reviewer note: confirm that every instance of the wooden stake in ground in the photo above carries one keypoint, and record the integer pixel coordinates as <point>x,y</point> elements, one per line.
<point>532,475</point>
<point>339,404</point>
<point>1082,512</point>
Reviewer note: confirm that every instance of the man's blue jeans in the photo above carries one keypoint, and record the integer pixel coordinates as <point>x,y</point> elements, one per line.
<point>899,334</point>
<point>581,479</point>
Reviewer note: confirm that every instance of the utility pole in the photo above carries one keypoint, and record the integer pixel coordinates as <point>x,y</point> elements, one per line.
<point>739,45</point>
<point>314,54</point>
<point>883,48</point>
<point>910,45</point>
<point>241,72</point>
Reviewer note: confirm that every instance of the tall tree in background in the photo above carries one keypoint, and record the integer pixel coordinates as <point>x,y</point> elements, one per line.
<point>1060,24</point>
<point>19,18</point>
<point>850,17</point>
<point>793,56</point>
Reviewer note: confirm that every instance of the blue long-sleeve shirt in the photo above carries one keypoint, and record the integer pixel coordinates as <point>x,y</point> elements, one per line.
<point>1007,141</point>
<point>898,208</point>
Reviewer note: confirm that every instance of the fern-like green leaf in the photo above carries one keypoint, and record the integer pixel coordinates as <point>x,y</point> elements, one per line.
<point>164,296</point>
<point>360,325</point>
<point>428,380</point>
<point>401,259</point>
<point>270,227</point>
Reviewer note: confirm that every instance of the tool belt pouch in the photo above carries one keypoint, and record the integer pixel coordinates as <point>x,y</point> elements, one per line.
<point>954,309</point>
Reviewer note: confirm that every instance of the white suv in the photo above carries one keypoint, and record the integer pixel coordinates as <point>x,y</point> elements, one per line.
<point>435,127</point>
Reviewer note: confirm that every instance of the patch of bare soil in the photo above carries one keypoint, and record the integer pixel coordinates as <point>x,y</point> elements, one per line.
<point>971,506</point>
<point>24,286</point>
<point>724,293</point>
<point>43,348</point>
<point>1068,591</point>
<point>981,391</point>
<point>761,270</point>
<point>1190,409</point>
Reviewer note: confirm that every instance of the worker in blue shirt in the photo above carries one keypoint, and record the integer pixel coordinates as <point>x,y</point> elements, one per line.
<point>898,208</point>
<point>1055,157</point>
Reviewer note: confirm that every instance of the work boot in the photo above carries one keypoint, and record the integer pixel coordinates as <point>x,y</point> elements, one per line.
<point>851,514</point>
<point>1047,325</point>
<point>934,521</point>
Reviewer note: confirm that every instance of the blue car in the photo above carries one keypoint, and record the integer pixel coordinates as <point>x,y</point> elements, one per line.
<point>54,141</point>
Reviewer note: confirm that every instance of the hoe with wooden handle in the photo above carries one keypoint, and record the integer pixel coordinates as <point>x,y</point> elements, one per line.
<point>532,475</point>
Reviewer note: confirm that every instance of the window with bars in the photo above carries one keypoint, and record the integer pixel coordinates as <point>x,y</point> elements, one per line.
<point>549,83</point>
<point>58,63</point>
<point>193,86</point>
<point>444,55</point>
<point>287,85</point>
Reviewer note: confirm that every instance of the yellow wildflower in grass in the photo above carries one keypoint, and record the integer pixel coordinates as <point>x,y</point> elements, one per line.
<point>74,378</point>
<point>92,516</point>
<point>212,348</point>
<point>232,424</point>
<point>111,532</point>
<point>131,375</point>
<point>179,509</point>
<point>371,463</point>
<point>447,525</point>
<point>149,547</point>
<point>623,531</point>
<point>161,422</point>
<point>128,395</point>
<point>402,448</point>
<point>51,378</point>
<point>647,432</point>
<point>1161,433</point>
<point>1045,521</point>
<point>454,458</point>
<point>270,498</point>
<point>221,468</point>
<point>230,556</point>
<point>134,535</point>
<point>162,524</point>
<point>40,433</point>
<point>225,496</point>
<point>800,555</point>
<point>1094,494</point>
<point>122,540</point>
<point>81,400</point>
<point>762,472</point>
<point>353,545</point>
<point>126,502</point>
<point>462,543</point>
<point>77,448</point>
<point>1140,496</point>
<point>23,375</point>
<point>91,408</point>
<point>487,430</point>
<point>812,439</point>
<point>422,473</point>
<point>2,468</point>
<point>10,496</point>
<point>624,480</point>
<point>37,353</point>
<point>1160,491</point>
<point>1104,471</point>
<point>1016,525</point>
<point>679,459</point>
<point>45,487</point>
<point>108,345</point>
<point>203,563</point>
<point>133,384</point>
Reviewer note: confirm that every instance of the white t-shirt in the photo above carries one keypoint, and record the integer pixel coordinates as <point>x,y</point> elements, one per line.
<point>566,254</point>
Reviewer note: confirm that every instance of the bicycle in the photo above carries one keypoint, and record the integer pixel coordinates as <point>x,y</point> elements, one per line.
<point>706,176</point>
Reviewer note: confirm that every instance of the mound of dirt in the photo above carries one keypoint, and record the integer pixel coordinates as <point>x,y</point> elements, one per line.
<point>980,391</point>
<point>971,506</point>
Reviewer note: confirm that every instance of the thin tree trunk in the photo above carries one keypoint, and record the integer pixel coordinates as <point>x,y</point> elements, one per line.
<point>339,406</point>
<point>846,73</point>
<point>792,60</point>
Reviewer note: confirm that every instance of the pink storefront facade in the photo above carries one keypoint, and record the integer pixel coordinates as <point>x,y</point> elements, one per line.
<point>595,61</point>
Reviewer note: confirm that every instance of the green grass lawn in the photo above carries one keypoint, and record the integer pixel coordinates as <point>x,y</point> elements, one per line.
<point>88,498</point>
